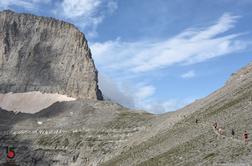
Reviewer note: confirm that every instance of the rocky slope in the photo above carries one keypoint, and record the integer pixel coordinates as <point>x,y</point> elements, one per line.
<point>47,55</point>
<point>177,140</point>
<point>71,133</point>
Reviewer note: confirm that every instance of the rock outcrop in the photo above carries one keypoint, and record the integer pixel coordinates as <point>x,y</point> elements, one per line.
<point>47,55</point>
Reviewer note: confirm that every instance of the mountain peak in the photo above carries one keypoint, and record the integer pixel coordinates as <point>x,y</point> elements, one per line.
<point>47,55</point>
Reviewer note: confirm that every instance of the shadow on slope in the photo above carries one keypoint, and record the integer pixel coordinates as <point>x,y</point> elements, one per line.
<point>77,132</point>
<point>25,154</point>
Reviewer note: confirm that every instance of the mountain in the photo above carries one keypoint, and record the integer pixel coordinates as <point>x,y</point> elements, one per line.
<point>47,55</point>
<point>176,139</point>
<point>89,132</point>
<point>71,133</point>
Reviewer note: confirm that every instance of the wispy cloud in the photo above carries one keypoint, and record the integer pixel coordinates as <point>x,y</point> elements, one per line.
<point>87,14</point>
<point>112,6</point>
<point>25,4</point>
<point>169,105</point>
<point>7,4</point>
<point>112,91</point>
<point>141,96</point>
<point>189,47</point>
<point>189,74</point>
<point>145,91</point>
<point>78,8</point>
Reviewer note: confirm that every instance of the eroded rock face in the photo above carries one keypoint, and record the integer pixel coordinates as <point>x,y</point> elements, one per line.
<point>47,55</point>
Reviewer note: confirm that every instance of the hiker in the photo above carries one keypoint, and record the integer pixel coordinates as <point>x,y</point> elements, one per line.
<point>233,133</point>
<point>215,125</point>
<point>221,131</point>
<point>196,121</point>
<point>245,136</point>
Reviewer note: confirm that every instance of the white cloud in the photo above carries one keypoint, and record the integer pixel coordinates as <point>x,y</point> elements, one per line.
<point>144,92</point>
<point>41,1</point>
<point>112,92</point>
<point>112,6</point>
<point>126,94</point>
<point>26,4</point>
<point>6,4</point>
<point>189,74</point>
<point>158,107</point>
<point>140,96</point>
<point>133,59</point>
<point>225,23</point>
<point>189,47</point>
<point>77,8</point>
<point>166,106</point>
<point>87,14</point>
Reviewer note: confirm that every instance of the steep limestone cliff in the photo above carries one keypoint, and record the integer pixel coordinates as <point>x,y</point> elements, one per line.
<point>47,55</point>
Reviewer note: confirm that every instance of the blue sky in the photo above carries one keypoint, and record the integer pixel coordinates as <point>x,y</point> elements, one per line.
<point>157,55</point>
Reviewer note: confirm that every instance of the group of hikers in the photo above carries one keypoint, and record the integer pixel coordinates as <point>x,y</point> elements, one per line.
<point>221,131</point>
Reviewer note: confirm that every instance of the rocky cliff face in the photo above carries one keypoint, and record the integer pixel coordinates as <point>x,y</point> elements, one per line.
<point>47,55</point>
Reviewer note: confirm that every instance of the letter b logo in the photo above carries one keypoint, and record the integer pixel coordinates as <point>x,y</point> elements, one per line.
<point>10,152</point>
